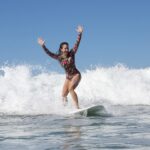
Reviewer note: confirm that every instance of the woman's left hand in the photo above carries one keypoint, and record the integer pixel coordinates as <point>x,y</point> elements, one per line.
<point>79,29</point>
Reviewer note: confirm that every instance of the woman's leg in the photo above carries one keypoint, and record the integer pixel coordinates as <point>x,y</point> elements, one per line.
<point>65,92</point>
<point>72,85</point>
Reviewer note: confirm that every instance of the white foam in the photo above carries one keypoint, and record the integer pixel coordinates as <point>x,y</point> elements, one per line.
<point>24,92</point>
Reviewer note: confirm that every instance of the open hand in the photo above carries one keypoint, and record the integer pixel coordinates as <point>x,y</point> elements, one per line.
<point>41,41</point>
<point>79,29</point>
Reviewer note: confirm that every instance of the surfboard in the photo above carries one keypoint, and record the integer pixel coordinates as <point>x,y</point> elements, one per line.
<point>88,111</point>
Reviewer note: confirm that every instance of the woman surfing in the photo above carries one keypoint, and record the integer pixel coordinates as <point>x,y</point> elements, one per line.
<point>66,57</point>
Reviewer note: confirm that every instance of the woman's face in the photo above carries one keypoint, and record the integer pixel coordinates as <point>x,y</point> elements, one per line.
<point>64,48</point>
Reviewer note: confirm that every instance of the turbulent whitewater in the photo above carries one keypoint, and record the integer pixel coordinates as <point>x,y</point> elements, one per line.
<point>27,89</point>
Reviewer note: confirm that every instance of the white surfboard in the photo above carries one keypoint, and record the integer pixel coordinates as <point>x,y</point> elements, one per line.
<point>91,110</point>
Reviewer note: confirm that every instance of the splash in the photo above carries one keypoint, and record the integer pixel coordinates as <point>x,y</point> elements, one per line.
<point>27,89</point>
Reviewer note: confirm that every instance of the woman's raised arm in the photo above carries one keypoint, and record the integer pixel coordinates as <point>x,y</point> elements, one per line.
<point>76,45</point>
<point>42,43</point>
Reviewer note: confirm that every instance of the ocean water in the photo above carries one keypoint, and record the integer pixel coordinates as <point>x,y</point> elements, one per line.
<point>32,116</point>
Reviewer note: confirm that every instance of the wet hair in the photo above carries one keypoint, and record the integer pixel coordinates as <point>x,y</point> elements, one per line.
<point>61,45</point>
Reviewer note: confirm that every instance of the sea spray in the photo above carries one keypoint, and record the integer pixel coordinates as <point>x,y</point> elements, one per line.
<point>23,92</point>
<point>118,85</point>
<point>27,89</point>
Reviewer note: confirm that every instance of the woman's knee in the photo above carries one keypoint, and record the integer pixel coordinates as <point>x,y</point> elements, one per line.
<point>65,89</point>
<point>64,93</point>
<point>71,89</point>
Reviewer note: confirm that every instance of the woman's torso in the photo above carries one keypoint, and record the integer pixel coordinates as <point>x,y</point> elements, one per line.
<point>67,61</point>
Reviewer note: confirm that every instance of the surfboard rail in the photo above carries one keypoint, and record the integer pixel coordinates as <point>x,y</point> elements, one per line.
<point>88,110</point>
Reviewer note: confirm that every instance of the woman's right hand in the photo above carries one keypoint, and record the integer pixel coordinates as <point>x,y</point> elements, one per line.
<point>41,41</point>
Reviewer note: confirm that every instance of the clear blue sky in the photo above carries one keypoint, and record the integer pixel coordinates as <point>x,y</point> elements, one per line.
<point>115,31</point>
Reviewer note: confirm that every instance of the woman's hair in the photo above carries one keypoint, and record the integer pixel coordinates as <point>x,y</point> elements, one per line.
<point>61,45</point>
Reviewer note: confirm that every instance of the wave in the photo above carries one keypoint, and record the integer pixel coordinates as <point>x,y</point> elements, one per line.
<point>29,89</point>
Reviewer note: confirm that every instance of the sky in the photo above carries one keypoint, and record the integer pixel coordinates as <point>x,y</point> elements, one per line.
<point>115,31</point>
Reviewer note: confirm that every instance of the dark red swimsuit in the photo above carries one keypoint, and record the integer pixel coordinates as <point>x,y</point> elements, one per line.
<point>67,61</point>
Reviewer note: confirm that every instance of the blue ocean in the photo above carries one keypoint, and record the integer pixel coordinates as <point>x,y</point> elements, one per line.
<point>32,116</point>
